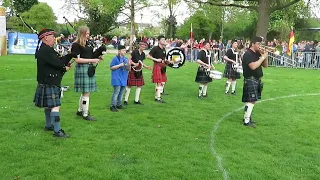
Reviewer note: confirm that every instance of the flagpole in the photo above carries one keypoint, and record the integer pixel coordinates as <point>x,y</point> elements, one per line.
<point>191,43</point>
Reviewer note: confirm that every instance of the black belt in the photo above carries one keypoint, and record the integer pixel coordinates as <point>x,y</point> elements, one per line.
<point>48,85</point>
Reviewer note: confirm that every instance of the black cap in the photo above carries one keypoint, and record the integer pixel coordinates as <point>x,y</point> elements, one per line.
<point>257,39</point>
<point>160,36</point>
<point>120,47</point>
<point>45,32</point>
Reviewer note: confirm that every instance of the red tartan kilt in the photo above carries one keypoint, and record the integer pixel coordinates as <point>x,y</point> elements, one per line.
<point>133,81</point>
<point>157,76</point>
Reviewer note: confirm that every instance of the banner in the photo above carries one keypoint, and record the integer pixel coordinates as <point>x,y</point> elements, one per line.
<point>22,43</point>
<point>3,38</point>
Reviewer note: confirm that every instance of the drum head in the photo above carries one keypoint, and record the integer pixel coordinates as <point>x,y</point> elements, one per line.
<point>177,56</point>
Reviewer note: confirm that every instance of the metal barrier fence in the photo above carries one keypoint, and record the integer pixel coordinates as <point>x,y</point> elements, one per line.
<point>307,60</point>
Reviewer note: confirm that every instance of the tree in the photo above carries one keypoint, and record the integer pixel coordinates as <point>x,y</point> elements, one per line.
<point>39,16</point>
<point>21,6</point>
<point>205,23</point>
<point>264,8</point>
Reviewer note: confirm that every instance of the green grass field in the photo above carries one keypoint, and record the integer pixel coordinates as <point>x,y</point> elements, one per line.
<point>186,138</point>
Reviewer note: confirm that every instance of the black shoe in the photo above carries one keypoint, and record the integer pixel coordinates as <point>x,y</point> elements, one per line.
<point>200,97</point>
<point>79,113</point>
<point>205,95</point>
<point>249,124</point>
<point>138,102</point>
<point>113,109</point>
<point>227,93</point>
<point>251,121</point>
<point>48,128</point>
<point>165,94</point>
<point>120,107</point>
<point>125,103</point>
<point>233,93</point>
<point>160,101</point>
<point>89,118</point>
<point>61,134</point>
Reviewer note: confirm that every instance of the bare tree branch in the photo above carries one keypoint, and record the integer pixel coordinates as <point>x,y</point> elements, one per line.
<point>227,5</point>
<point>284,5</point>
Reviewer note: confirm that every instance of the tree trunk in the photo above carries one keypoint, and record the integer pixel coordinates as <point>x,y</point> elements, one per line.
<point>133,30</point>
<point>263,18</point>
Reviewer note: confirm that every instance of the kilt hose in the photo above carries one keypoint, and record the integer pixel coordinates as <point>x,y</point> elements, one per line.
<point>230,73</point>
<point>202,76</point>
<point>133,80</point>
<point>252,89</point>
<point>157,76</point>
<point>82,82</point>
<point>47,96</point>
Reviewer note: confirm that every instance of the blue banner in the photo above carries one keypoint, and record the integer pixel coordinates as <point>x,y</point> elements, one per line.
<point>22,43</point>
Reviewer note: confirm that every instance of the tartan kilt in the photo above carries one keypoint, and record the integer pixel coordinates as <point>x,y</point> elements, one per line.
<point>230,73</point>
<point>133,80</point>
<point>157,76</point>
<point>82,82</point>
<point>252,89</point>
<point>202,76</point>
<point>47,96</point>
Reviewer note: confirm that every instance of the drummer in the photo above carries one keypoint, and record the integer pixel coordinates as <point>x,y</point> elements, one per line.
<point>202,77</point>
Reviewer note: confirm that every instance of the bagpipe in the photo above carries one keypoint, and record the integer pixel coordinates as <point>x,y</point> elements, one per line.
<point>90,42</point>
<point>98,51</point>
<point>237,66</point>
<point>211,72</point>
<point>67,59</point>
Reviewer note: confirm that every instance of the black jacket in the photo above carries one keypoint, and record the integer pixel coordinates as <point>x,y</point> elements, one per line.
<point>50,68</point>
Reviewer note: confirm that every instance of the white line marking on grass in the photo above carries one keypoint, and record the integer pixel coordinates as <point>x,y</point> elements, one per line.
<point>217,124</point>
<point>15,80</point>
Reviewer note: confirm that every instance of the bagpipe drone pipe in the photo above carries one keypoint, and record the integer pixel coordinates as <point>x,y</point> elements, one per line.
<point>67,60</point>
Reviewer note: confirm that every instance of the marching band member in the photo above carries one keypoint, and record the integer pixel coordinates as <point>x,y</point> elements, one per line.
<point>135,78</point>
<point>158,55</point>
<point>82,81</point>
<point>119,78</point>
<point>204,64</point>
<point>229,72</point>
<point>50,70</point>
<point>253,59</point>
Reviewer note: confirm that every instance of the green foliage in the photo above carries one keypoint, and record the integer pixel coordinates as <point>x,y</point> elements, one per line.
<point>102,15</point>
<point>240,23</point>
<point>282,20</point>
<point>204,21</point>
<point>302,32</point>
<point>39,16</point>
<point>21,6</point>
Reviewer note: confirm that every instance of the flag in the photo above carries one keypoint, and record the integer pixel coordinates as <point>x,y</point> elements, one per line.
<point>191,33</point>
<point>291,40</point>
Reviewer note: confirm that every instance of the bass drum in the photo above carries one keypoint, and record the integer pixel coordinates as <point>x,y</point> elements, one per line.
<point>177,56</point>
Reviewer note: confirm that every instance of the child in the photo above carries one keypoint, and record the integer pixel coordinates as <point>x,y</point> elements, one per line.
<point>119,76</point>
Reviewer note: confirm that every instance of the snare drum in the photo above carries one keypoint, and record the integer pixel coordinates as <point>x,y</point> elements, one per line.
<point>214,74</point>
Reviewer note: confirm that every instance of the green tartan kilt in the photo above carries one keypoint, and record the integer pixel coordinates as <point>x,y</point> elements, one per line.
<point>82,82</point>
